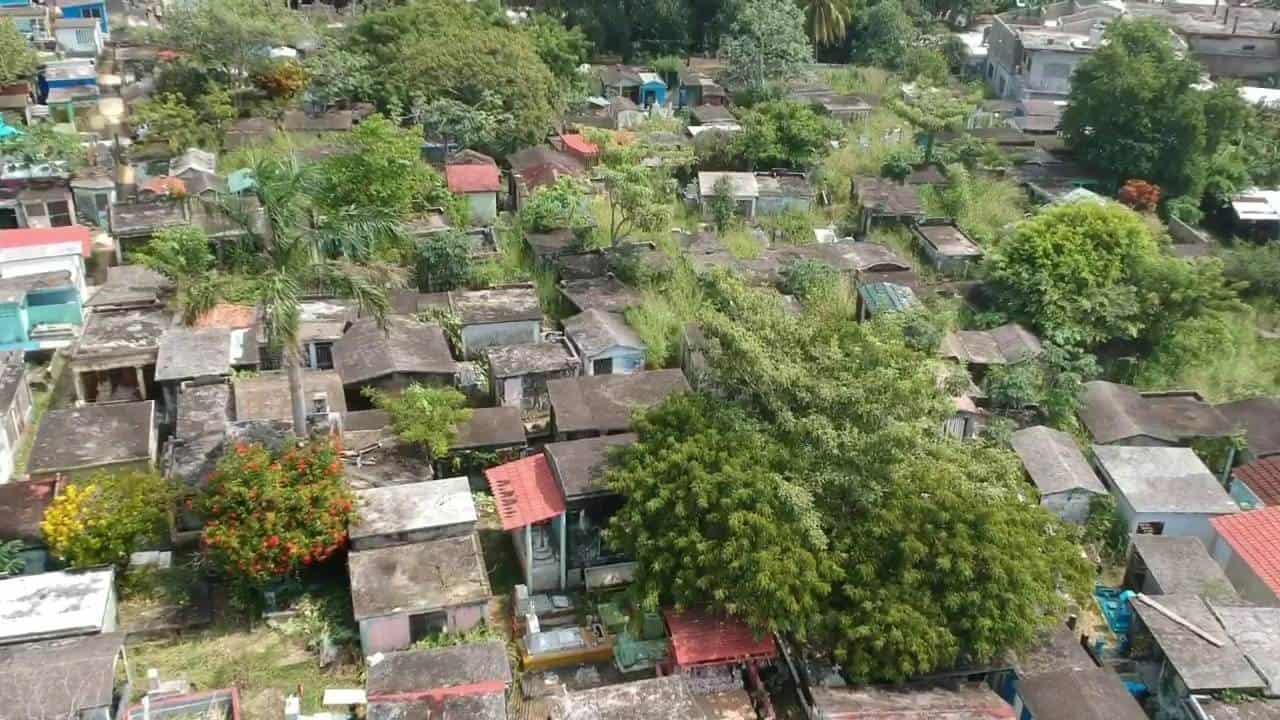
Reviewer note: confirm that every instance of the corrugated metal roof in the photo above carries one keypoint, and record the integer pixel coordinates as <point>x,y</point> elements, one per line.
<point>526,492</point>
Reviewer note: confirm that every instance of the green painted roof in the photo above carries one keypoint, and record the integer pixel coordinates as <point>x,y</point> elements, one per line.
<point>882,297</point>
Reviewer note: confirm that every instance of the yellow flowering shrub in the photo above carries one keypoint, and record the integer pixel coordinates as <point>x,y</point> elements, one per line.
<point>103,520</point>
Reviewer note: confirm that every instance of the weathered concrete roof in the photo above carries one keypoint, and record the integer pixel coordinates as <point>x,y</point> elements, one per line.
<point>605,402</point>
<point>438,669</point>
<point>1163,480</point>
<point>496,305</point>
<point>15,289</point>
<point>1260,419</point>
<point>1054,461</point>
<point>486,706</point>
<point>58,679</point>
<point>530,358</point>
<point>595,331</point>
<point>54,605</point>
<point>1092,694</point>
<point>657,698</point>
<point>1182,565</point>
<point>947,239</point>
<point>1056,651</point>
<point>970,702</point>
<point>579,465</point>
<point>1115,413</point>
<point>414,506</point>
<point>1249,709</point>
<point>325,318</point>
<point>490,427</point>
<point>741,184</point>
<point>1005,345</point>
<point>123,332</point>
<point>417,578</point>
<point>22,506</point>
<point>1201,665</point>
<point>607,293</point>
<point>142,218</point>
<point>784,185</point>
<point>93,436</point>
<point>886,197</point>
<point>265,396</point>
<point>367,351</point>
<point>187,353</point>
<point>1256,631</point>
<point>202,416</point>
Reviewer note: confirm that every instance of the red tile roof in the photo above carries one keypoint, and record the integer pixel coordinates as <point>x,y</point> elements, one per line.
<point>473,178</point>
<point>1255,537</point>
<point>31,237</point>
<point>1263,478</point>
<point>229,316</point>
<point>579,145</point>
<point>526,492</point>
<point>701,639</point>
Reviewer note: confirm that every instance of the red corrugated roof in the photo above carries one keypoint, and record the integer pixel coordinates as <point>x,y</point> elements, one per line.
<point>701,639</point>
<point>1255,537</point>
<point>473,178</point>
<point>579,145</point>
<point>526,492</point>
<point>30,237</point>
<point>1263,478</point>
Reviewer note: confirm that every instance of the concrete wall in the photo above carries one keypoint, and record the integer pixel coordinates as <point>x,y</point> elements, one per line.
<point>391,632</point>
<point>478,337</point>
<point>1050,71</point>
<point>483,206</point>
<point>1072,506</point>
<point>773,205</point>
<point>1175,524</point>
<point>625,361</point>
<point>1246,581</point>
<point>73,264</point>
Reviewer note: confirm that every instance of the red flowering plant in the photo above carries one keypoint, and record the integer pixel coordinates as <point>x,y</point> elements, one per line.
<point>1140,195</point>
<point>270,514</point>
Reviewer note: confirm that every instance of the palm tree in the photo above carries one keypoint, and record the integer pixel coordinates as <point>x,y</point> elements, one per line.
<point>291,249</point>
<point>828,20</point>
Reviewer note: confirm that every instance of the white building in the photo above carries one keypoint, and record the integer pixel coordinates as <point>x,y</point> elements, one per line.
<point>56,605</point>
<point>1163,490</point>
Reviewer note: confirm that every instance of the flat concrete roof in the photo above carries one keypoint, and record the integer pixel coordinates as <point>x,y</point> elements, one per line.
<point>1163,480</point>
<point>416,578</point>
<point>54,604</point>
<point>93,436</point>
<point>413,506</point>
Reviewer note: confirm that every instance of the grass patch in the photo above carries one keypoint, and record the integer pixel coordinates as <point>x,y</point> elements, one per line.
<point>500,559</point>
<point>742,243</point>
<point>1223,357</point>
<point>864,149</point>
<point>265,664</point>
<point>866,80</point>
<point>981,206</point>
<point>41,401</point>
<point>663,312</point>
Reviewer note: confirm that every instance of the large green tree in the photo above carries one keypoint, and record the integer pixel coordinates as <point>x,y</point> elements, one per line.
<point>447,49</point>
<point>17,57</point>
<point>232,35</point>
<point>713,512</point>
<point>1158,132</point>
<point>1085,274</point>
<point>784,134</point>
<point>767,43</point>
<point>829,429</point>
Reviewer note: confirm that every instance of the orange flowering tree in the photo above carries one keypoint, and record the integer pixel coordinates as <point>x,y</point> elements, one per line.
<point>268,514</point>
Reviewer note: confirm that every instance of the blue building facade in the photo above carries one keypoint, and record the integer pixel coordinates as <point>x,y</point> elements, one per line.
<point>92,9</point>
<point>24,311</point>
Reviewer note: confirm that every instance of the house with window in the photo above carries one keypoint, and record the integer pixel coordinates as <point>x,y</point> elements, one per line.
<point>93,190</point>
<point>640,85</point>
<point>605,343</point>
<point>95,9</point>
<point>45,204</point>
<point>42,286</point>
<point>741,187</point>
<point>518,377</point>
<point>416,568</point>
<point>1032,53</point>
<point>1163,490</point>
<point>554,506</point>
<point>79,37</point>
<point>67,85</point>
<point>32,20</point>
